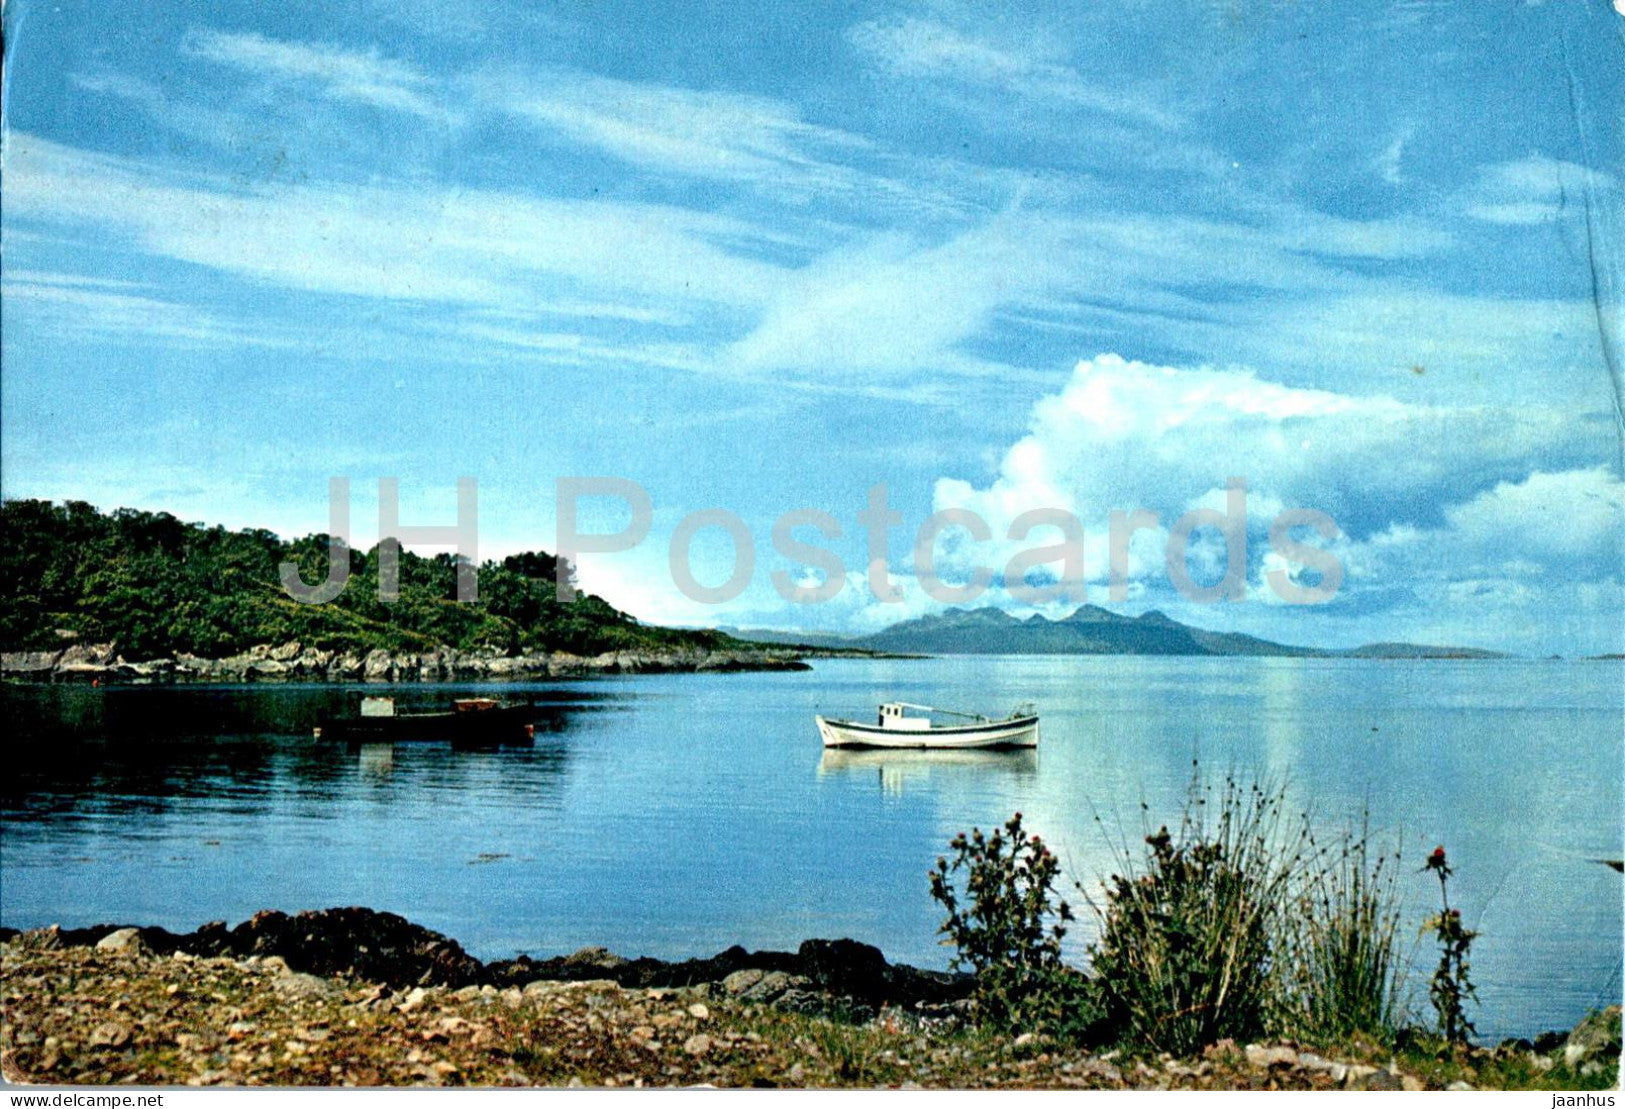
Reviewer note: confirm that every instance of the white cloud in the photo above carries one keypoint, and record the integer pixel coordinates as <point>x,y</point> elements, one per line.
<point>888,304</point>
<point>709,133</point>
<point>359,77</point>
<point>396,243</point>
<point>1532,190</point>
<point>67,305</point>
<point>1568,524</point>
<point>1389,164</point>
<point>1126,435</point>
<point>913,47</point>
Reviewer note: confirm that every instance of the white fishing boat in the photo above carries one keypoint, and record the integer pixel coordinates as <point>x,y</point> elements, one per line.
<point>896,728</point>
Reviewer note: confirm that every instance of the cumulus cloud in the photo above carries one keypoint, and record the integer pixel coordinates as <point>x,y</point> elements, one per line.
<point>1437,487</point>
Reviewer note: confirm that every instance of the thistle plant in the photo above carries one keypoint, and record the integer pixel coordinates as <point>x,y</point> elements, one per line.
<point>1005,925</point>
<point>1451,987</point>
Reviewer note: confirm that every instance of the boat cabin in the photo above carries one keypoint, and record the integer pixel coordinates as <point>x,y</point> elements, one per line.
<point>892,718</point>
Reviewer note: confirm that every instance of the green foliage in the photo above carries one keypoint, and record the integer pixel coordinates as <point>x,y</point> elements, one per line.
<point>157,587</point>
<point>1007,929</point>
<point>1341,946</point>
<point>1451,987</point>
<point>1186,954</point>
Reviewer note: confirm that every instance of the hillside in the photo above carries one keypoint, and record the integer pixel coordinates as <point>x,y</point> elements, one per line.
<point>1091,630</point>
<point>157,587</point>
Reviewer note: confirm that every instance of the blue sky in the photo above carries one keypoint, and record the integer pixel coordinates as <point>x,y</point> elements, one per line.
<point>1092,257</point>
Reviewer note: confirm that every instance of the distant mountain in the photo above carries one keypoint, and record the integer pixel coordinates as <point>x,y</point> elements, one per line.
<point>1091,630</point>
<point>1411,650</point>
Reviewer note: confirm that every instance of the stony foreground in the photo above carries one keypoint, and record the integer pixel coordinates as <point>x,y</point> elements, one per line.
<point>120,1013</point>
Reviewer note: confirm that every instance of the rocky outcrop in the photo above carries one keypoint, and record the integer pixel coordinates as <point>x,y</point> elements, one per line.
<point>293,661</point>
<point>840,977</point>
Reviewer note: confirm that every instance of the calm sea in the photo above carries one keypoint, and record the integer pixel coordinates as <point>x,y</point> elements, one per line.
<point>676,815</point>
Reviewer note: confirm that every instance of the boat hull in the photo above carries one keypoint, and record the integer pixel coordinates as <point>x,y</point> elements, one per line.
<point>1019,732</point>
<point>490,727</point>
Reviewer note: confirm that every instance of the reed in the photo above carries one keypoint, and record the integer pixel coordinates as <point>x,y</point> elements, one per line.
<point>1188,934</point>
<point>1342,967</point>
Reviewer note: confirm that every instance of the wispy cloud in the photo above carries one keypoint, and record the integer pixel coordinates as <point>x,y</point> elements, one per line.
<point>362,77</point>
<point>927,49</point>
<point>1532,190</point>
<point>385,242</point>
<point>709,133</point>
<point>63,306</point>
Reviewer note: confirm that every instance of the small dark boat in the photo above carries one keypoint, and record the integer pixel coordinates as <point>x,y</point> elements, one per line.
<point>472,722</point>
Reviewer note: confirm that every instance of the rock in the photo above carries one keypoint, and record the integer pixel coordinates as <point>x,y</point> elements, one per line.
<point>1315,1064</point>
<point>1412,1084</point>
<point>1595,1037</point>
<point>1461,1087</point>
<point>86,656</point>
<point>125,941</point>
<point>740,981</point>
<point>377,666</point>
<point>287,652</point>
<point>847,967</point>
<point>697,1044</point>
<point>109,1034</point>
<point>29,662</point>
<point>356,942</point>
<point>304,987</point>
<point>594,958</point>
<point>1548,1042</point>
<point>1356,1074</point>
<point>1025,1039</point>
<point>41,939</point>
<point>1380,1080</point>
<point>1263,1057</point>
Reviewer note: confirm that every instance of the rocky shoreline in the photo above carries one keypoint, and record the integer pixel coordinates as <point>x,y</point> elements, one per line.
<point>356,997</point>
<point>833,977</point>
<point>294,661</point>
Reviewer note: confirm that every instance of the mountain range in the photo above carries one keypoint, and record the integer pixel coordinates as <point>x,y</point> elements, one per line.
<point>1090,630</point>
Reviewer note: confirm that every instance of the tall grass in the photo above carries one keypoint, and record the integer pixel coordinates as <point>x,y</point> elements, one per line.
<point>1343,968</point>
<point>1239,923</point>
<point>1188,939</point>
<point>1242,923</point>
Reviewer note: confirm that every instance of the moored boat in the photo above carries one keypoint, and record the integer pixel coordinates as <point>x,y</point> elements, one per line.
<point>471,722</point>
<point>896,728</point>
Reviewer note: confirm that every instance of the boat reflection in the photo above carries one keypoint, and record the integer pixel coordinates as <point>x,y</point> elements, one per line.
<point>896,768</point>
<point>376,760</point>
